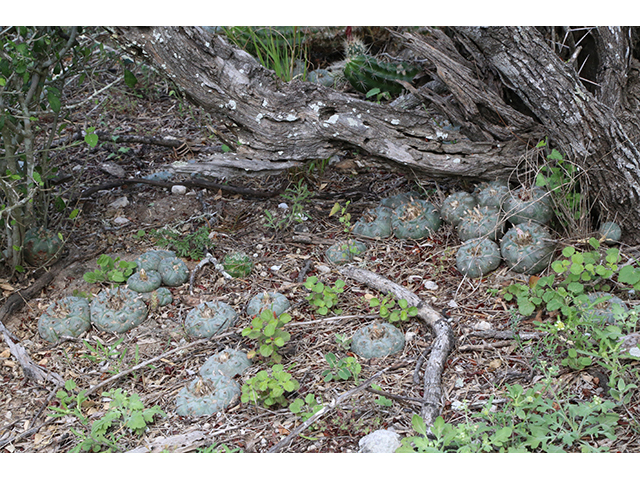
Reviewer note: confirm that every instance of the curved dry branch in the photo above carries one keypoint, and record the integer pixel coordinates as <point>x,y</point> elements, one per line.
<point>443,341</point>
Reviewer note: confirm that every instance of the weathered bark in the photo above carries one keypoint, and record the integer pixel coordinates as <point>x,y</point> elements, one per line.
<point>508,89</point>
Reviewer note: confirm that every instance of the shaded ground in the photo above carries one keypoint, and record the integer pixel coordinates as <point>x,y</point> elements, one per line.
<point>475,370</point>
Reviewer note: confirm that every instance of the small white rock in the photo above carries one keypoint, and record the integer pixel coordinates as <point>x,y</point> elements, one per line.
<point>119,203</point>
<point>452,304</point>
<point>283,206</point>
<point>482,325</point>
<point>275,268</point>
<point>121,220</point>
<point>178,189</point>
<point>380,441</point>
<point>430,285</point>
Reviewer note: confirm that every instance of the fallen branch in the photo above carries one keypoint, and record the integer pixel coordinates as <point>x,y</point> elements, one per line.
<point>442,344</point>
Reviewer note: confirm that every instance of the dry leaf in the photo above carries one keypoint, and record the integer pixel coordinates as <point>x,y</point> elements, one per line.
<point>495,364</point>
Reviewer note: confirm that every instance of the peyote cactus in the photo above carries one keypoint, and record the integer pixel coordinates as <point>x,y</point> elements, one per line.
<point>206,396</point>
<point>416,220</point>
<point>455,205</point>
<point>344,252</point>
<point>493,194</point>
<point>377,340</point>
<point>118,310</point>
<point>395,201</point>
<point>527,248</point>
<point>41,246</point>
<point>144,281</point>
<point>69,316</point>
<point>477,257</point>
<point>610,233</point>
<point>481,222</point>
<point>209,318</point>
<point>374,223</point>
<point>526,204</point>
<point>228,362</point>
<point>157,298</point>
<point>237,264</point>
<point>601,308</point>
<point>174,271</point>
<point>274,301</point>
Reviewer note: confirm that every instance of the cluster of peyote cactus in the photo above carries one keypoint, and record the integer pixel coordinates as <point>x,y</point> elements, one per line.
<point>41,246</point>
<point>156,268</point>
<point>377,340</point>
<point>209,318</point>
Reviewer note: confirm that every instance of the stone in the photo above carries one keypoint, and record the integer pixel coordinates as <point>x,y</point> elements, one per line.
<point>380,441</point>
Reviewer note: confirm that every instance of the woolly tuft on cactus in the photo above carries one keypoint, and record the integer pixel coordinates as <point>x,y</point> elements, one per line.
<point>377,340</point>
<point>41,246</point>
<point>481,222</point>
<point>274,301</point>
<point>374,223</point>
<point>228,362</point>
<point>527,248</point>
<point>455,205</point>
<point>526,204</point>
<point>118,310</point>
<point>344,252</point>
<point>395,201</point>
<point>477,257</point>
<point>610,233</point>
<point>69,316</point>
<point>416,220</point>
<point>209,318</point>
<point>206,396</point>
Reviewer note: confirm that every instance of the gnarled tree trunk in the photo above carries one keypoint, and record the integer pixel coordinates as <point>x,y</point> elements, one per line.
<point>508,89</point>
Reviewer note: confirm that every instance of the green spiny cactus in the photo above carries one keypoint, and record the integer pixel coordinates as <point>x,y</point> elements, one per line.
<point>365,73</point>
<point>527,248</point>
<point>455,205</point>
<point>481,222</point>
<point>69,316</point>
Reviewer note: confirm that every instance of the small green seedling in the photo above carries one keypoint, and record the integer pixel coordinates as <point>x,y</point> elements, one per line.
<point>105,353</point>
<point>342,369</point>
<point>268,330</point>
<point>111,270</point>
<point>388,310</point>
<point>323,297</point>
<point>269,387</point>
<point>307,407</point>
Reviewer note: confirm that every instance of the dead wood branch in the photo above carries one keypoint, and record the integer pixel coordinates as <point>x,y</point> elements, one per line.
<point>442,344</point>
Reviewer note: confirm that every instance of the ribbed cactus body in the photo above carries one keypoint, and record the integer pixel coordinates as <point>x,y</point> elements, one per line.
<point>365,73</point>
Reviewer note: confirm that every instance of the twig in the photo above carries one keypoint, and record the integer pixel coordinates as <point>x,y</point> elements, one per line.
<point>485,346</point>
<point>207,259</point>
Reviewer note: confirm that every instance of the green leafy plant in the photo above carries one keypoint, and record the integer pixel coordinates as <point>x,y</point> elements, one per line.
<point>307,407</point>
<point>102,353</point>
<point>388,310</point>
<point>535,420</point>
<point>344,218</point>
<point>269,388</point>
<point>296,196</point>
<point>342,369</point>
<point>323,297</point>
<point>219,448</point>
<point>70,402</point>
<point>343,341</point>
<point>267,329</point>
<point>36,64</point>
<point>110,270</point>
<point>280,49</point>
<point>192,245</point>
